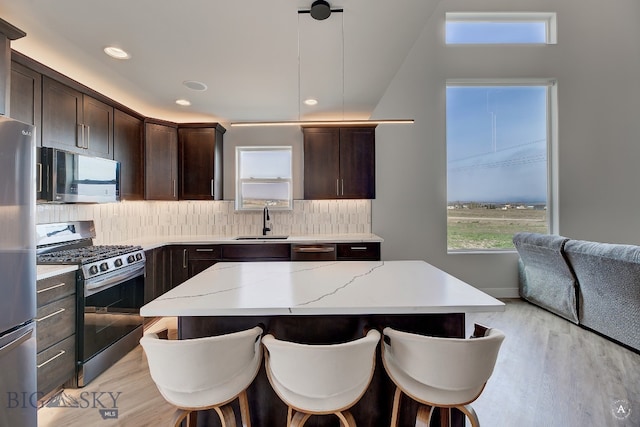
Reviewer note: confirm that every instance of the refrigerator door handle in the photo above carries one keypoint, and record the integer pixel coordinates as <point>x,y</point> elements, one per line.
<point>15,343</point>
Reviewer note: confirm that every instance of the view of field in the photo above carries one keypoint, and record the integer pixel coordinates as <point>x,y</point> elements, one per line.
<point>483,228</point>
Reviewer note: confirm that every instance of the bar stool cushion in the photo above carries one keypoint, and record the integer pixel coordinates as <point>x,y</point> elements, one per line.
<point>321,378</point>
<point>440,371</point>
<point>201,372</point>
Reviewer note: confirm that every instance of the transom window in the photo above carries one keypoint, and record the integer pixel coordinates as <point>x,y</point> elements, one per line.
<point>500,28</point>
<point>263,178</point>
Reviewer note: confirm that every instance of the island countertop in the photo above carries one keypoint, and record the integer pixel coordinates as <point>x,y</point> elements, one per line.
<point>321,288</point>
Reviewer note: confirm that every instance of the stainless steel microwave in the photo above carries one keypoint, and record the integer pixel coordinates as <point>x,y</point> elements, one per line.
<point>67,177</point>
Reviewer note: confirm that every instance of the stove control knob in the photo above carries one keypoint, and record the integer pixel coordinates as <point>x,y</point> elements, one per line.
<point>104,266</point>
<point>131,259</point>
<point>93,269</point>
<point>118,262</point>
<point>138,256</point>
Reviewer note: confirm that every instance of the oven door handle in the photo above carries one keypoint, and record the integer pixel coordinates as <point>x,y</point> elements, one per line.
<point>100,284</point>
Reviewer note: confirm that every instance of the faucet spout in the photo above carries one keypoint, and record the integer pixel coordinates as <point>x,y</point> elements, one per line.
<point>265,218</point>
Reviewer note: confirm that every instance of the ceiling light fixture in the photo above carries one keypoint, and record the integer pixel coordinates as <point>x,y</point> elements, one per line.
<point>320,10</point>
<point>323,122</point>
<point>116,52</point>
<point>183,102</point>
<point>195,85</point>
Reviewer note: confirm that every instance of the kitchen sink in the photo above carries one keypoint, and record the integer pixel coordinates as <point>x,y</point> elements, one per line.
<point>267,237</point>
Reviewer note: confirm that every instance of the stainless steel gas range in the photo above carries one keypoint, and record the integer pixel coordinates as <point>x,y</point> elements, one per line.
<point>110,292</point>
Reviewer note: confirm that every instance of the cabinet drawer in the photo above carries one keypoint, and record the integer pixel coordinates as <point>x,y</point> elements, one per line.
<point>55,321</point>
<point>359,251</point>
<point>204,252</point>
<point>55,288</point>
<point>257,252</point>
<point>56,364</point>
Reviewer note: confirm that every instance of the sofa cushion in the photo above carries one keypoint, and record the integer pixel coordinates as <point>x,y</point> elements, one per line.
<point>545,277</point>
<point>609,277</point>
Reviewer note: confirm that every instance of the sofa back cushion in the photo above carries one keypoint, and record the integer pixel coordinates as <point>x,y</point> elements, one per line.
<point>545,277</point>
<point>609,278</point>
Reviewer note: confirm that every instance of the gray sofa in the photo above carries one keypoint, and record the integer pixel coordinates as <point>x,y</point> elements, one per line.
<point>595,285</point>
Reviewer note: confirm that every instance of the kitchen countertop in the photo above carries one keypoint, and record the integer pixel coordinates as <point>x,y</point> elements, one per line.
<point>147,243</point>
<point>321,288</point>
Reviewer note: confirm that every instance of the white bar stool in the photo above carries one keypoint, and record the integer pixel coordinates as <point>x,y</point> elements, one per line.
<point>320,379</point>
<point>205,373</point>
<point>439,372</point>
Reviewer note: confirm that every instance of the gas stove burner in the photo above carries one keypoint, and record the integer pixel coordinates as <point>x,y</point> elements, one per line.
<point>86,254</point>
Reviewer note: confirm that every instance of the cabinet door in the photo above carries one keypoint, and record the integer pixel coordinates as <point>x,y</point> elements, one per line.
<point>97,119</point>
<point>61,116</point>
<point>200,163</point>
<point>156,281</point>
<point>128,149</point>
<point>321,163</point>
<point>357,163</point>
<point>178,265</point>
<point>161,162</point>
<point>26,97</point>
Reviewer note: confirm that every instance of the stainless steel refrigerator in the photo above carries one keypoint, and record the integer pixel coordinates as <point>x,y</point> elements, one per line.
<point>18,388</point>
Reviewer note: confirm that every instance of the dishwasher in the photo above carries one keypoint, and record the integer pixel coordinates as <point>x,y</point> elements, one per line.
<point>313,252</point>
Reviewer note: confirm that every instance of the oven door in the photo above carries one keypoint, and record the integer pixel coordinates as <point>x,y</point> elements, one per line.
<point>109,312</point>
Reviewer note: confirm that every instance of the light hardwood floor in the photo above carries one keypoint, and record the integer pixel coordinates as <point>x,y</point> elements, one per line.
<point>549,373</point>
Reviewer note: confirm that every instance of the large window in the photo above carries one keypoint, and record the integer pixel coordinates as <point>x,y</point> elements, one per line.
<point>498,139</point>
<point>263,178</point>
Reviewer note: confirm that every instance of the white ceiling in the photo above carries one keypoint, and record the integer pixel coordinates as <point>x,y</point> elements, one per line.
<point>245,51</point>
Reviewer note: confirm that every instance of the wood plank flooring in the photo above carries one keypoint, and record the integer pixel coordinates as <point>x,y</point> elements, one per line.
<point>549,373</point>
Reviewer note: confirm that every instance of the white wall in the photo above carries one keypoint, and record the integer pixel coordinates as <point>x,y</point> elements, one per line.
<point>597,65</point>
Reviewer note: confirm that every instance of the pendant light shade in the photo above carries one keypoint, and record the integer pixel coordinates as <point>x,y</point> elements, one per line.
<point>320,10</point>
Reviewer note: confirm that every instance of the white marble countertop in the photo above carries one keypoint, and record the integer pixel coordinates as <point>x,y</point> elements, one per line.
<point>321,288</point>
<point>46,271</point>
<point>158,241</point>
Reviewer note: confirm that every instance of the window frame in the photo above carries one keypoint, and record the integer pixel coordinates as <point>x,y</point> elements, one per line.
<point>548,18</point>
<point>239,200</point>
<point>552,150</point>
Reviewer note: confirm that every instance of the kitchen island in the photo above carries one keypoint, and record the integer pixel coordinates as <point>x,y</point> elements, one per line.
<point>322,302</point>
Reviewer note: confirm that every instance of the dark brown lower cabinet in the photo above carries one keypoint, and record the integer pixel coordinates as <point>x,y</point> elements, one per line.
<point>56,331</point>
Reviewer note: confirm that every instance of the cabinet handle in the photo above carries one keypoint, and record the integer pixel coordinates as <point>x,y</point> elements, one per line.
<point>39,172</point>
<point>323,249</point>
<point>52,359</point>
<point>80,141</point>
<point>51,315</point>
<point>358,248</point>
<point>337,187</point>
<point>51,287</point>
<point>204,250</point>
<point>88,137</point>
<point>184,258</point>
<point>213,190</point>
<point>342,184</point>
<point>174,188</point>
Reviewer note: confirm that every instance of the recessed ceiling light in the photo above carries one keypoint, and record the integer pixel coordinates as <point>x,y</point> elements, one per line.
<point>116,52</point>
<point>311,101</point>
<point>195,85</point>
<point>183,102</point>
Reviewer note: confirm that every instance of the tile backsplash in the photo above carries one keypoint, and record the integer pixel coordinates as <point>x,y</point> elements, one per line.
<point>116,222</point>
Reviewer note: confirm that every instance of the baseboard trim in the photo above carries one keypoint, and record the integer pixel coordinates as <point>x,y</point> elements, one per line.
<point>502,292</point>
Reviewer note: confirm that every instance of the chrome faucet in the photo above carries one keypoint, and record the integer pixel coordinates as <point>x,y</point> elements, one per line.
<point>265,218</point>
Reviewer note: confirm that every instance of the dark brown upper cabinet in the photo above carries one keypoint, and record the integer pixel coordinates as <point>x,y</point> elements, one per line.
<point>200,166</point>
<point>76,122</point>
<point>26,96</point>
<point>339,162</point>
<point>128,149</point>
<point>161,161</point>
